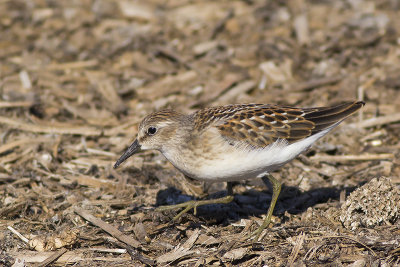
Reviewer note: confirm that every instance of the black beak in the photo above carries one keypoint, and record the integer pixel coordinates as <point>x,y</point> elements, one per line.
<point>134,148</point>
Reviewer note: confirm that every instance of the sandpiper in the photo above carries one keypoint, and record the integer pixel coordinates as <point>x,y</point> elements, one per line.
<point>236,142</point>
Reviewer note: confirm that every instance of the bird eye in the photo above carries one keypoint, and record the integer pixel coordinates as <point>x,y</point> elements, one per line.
<point>151,130</point>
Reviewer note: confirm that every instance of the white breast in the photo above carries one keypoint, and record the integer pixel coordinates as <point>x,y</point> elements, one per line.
<point>230,163</point>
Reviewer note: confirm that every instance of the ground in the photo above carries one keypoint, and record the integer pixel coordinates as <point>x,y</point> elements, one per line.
<point>76,78</point>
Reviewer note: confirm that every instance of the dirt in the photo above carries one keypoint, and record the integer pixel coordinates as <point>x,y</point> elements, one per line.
<point>76,78</point>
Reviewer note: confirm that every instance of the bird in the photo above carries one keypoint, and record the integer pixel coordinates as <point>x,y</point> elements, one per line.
<point>235,142</point>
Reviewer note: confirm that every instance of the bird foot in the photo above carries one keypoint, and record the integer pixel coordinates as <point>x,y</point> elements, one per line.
<point>193,204</point>
<point>255,235</point>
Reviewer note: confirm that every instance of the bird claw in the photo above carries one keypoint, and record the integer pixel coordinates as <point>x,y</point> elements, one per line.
<point>193,204</point>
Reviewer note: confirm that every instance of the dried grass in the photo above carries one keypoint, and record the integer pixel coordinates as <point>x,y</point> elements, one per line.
<point>77,77</point>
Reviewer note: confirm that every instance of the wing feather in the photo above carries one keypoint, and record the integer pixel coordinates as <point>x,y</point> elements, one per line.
<point>259,125</point>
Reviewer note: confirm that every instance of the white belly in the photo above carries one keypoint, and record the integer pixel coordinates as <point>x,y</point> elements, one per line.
<point>242,164</point>
<point>231,163</point>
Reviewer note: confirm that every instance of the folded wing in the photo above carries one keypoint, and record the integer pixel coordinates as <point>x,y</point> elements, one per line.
<point>260,125</point>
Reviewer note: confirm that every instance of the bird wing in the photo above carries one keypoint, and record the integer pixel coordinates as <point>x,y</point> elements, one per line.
<point>259,125</point>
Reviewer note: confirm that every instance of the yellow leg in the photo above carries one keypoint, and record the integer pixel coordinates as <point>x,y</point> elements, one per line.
<point>276,186</point>
<point>193,204</point>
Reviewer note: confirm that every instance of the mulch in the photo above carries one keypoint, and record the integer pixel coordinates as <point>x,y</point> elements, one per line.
<point>77,77</point>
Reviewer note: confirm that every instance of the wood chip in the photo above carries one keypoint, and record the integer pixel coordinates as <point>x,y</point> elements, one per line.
<point>73,65</point>
<point>69,257</point>
<point>56,129</point>
<point>52,258</point>
<point>345,158</point>
<point>108,228</point>
<point>16,104</point>
<point>378,121</point>
<point>296,249</point>
<point>237,90</point>
<point>235,254</point>
<point>180,251</point>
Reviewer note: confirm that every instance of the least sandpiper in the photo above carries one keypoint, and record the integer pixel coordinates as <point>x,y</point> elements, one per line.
<point>236,142</point>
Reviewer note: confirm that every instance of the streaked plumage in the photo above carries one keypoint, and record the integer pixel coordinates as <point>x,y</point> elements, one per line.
<point>260,125</point>
<point>236,142</point>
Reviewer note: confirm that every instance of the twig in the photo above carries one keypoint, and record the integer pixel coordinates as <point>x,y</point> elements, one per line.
<point>344,158</point>
<point>137,256</point>
<point>310,253</point>
<point>347,237</point>
<point>220,25</point>
<point>56,129</point>
<point>108,228</point>
<point>23,238</point>
<point>361,95</point>
<point>296,249</point>
<point>69,258</point>
<point>131,251</point>
<point>16,104</point>
<point>110,250</point>
<point>100,152</point>
<point>373,135</point>
<point>234,91</point>
<point>61,128</point>
<point>310,85</point>
<point>107,90</point>
<point>377,121</point>
<point>129,241</point>
<point>169,54</point>
<point>13,208</point>
<point>180,251</point>
<point>73,65</point>
<point>22,142</point>
<point>52,258</point>
<point>122,128</point>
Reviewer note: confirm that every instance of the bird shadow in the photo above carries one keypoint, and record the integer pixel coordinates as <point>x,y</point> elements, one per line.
<point>253,202</point>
